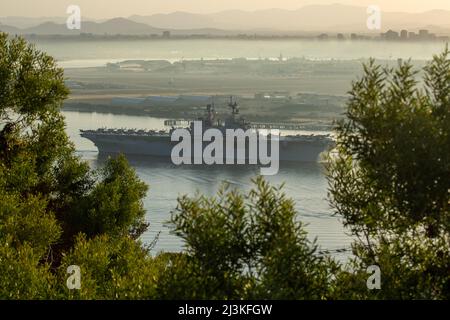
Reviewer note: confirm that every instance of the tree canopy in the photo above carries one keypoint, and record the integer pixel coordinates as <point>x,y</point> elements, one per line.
<point>389,180</point>
<point>51,203</point>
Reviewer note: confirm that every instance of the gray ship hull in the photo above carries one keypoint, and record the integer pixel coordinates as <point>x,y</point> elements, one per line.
<point>297,150</point>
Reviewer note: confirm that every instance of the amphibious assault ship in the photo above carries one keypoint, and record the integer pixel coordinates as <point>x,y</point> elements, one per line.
<point>157,143</point>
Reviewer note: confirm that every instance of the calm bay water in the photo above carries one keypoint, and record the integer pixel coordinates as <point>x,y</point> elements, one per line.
<point>304,182</point>
<point>74,54</point>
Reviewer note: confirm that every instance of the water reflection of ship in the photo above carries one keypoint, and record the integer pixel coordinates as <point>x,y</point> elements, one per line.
<point>299,147</point>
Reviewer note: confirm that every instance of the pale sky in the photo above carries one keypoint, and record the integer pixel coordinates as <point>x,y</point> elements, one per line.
<point>123,8</point>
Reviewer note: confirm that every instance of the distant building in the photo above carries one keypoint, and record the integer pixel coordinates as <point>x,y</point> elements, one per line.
<point>323,36</point>
<point>112,66</point>
<point>158,100</point>
<point>426,35</point>
<point>340,36</point>
<point>404,34</point>
<point>281,95</point>
<point>166,34</point>
<point>412,36</point>
<point>86,35</point>
<point>390,35</point>
<point>194,99</point>
<point>423,34</point>
<point>127,102</point>
<point>260,95</point>
<point>275,95</point>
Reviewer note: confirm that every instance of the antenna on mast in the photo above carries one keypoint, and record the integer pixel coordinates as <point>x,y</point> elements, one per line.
<point>234,106</point>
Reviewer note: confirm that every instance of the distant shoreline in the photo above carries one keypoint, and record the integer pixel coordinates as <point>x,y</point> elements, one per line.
<point>245,37</point>
<point>171,113</point>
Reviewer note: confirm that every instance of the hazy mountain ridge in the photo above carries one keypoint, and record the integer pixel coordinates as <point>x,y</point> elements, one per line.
<point>313,18</point>
<point>112,26</point>
<point>308,18</point>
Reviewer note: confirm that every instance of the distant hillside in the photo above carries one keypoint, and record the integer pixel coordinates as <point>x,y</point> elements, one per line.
<point>177,20</point>
<point>112,26</point>
<point>334,17</point>
<point>9,29</point>
<point>28,22</point>
<point>314,18</point>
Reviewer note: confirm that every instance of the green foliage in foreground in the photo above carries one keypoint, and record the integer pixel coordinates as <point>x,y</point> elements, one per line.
<point>53,208</point>
<point>391,179</point>
<point>389,182</point>
<point>246,246</point>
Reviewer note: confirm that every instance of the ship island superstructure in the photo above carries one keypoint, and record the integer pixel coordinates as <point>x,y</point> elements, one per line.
<point>299,147</point>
